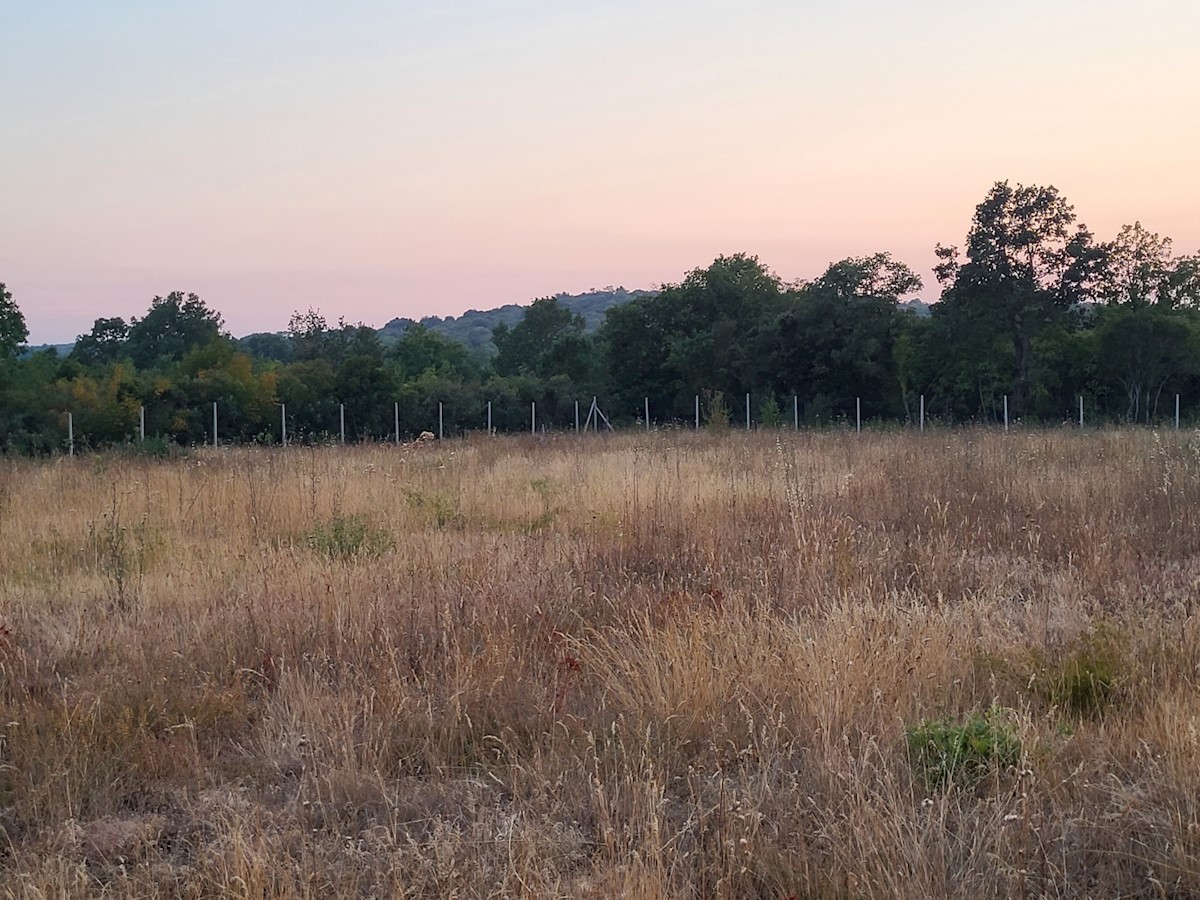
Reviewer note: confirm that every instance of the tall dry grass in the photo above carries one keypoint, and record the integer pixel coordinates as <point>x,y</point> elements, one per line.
<point>671,665</point>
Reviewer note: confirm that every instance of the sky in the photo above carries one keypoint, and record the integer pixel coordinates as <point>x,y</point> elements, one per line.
<point>376,159</point>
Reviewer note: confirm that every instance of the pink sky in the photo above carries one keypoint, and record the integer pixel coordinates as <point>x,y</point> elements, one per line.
<point>388,161</point>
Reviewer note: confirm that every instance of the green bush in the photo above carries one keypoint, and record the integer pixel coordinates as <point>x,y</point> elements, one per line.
<point>945,753</point>
<point>1084,680</point>
<point>348,537</point>
<point>770,416</point>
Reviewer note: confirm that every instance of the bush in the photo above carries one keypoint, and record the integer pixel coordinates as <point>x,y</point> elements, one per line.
<point>947,754</point>
<point>1084,680</point>
<point>349,537</point>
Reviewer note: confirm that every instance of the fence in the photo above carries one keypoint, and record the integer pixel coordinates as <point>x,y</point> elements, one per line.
<point>594,420</point>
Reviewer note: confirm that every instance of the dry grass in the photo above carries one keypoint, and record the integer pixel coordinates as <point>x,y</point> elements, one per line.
<point>672,665</point>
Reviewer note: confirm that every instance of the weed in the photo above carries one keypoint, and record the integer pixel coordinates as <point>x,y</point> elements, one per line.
<point>949,754</point>
<point>349,537</point>
<point>120,552</point>
<point>1083,681</point>
<point>770,415</point>
<point>442,508</point>
<point>716,412</point>
<point>546,491</point>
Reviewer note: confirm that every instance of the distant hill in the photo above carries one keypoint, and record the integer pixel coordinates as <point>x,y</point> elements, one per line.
<point>917,307</point>
<point>60,349</point>
<point>474,327</point>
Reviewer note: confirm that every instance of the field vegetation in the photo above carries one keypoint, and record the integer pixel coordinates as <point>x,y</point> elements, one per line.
<point>772,665</point>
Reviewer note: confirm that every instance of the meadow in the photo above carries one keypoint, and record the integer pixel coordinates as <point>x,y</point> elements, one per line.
<point>669,665</point>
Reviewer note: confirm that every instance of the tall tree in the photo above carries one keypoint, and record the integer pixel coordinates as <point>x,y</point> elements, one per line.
<point>549,340</point>
<point>1142,349</point>
<point>310,334</point>
<point>420,350</point>
<point>1141,270</point>
<point>104,344</point>
<point>12,325</point>
<point>173,326</point>
<point>878,276</point>
<point>1026,261</point>
<point>835,343</point>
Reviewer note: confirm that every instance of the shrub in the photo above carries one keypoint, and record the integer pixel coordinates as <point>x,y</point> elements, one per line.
<point>770,416</point>
<point>947,754</point>
<point>349,537</point>
<point>1084,680</point>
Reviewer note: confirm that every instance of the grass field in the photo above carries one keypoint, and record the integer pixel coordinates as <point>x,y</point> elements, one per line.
<point>670,665</point>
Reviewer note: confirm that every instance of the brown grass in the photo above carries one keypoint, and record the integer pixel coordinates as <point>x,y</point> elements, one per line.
<point>666,665</point>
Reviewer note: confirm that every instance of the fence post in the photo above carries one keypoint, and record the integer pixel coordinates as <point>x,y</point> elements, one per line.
<point>922,412</point>
<point>646,410</point>
<point>1176,412</point>
<point>489,417</point>
<point>747,410</point>
<point>342,420</point>
<point>697,412</point>
<point>441,429</point>
<point>577,417</point>
<point>142,421</point>
<point>1006,412</point>
<point>214,424</point>
<point>283,424</point>
<point>1081,410</point>
<point>70,434</point>
<point>396,415</point>
<point>533,417</point>
<point>858,415</point>
<point>796,412</point>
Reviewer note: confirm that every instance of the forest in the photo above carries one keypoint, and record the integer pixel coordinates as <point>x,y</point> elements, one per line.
<point>1034,311</point>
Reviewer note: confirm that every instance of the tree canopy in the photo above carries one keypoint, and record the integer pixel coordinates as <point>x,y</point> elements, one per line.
<point>1033,309</point>
<point>12,325</point>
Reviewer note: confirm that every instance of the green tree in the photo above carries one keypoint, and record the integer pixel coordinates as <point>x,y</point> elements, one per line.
<point>268,345</point>
<point>1141,270</point>
<point>703,334</point>
<point>32,404</point>
<point>633,347</point>
<point>877,276</point>
<point>835,342</point>
<point>310,334</point>
<point>174,325</point>
<point>104,344</point>
<point>1027,261</point>
<point>363,383</point>
<point>420,350</point>
<point>13,332</point>
<point>549,340</point>
<point>1142,349</point>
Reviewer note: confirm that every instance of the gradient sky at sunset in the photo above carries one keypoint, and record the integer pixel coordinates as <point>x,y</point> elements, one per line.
<point>377,159</point>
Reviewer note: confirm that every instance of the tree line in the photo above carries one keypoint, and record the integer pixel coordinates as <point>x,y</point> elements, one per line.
<point>1034,311</point>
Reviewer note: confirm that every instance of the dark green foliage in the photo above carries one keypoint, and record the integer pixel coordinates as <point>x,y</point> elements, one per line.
<point>267,345</point>
<point>174,325</point>
<point>548,341</point>
<point>12,326</point>
<point>1034,311</point>
<point>104,344</point>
